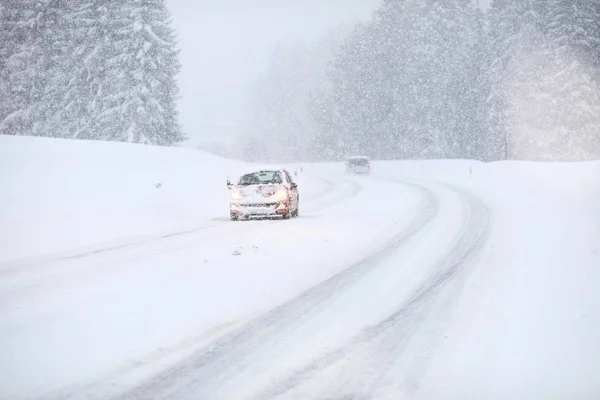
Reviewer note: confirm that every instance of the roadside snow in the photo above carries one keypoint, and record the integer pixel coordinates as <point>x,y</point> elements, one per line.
<point>105,278</point>
<point>528,322</point>
<point>59,194</point>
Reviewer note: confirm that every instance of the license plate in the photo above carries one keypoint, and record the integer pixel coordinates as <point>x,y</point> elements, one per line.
<point>259,210</point>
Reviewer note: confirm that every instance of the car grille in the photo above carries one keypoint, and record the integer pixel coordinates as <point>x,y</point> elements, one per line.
<point>257,204</point>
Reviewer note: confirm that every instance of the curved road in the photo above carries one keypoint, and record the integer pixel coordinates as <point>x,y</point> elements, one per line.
<point>244,363</point>
<point>371,271</point>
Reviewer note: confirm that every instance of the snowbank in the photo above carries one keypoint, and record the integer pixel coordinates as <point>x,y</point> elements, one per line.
<point>528,321</point>
<point>62,194</point>
<point>527,324</point>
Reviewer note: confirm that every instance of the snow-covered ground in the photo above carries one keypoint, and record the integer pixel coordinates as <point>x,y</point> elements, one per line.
<point>432,280</point>
<point>59,194</point>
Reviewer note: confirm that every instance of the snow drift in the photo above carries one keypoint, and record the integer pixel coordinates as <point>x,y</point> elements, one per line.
<point>62,194</point>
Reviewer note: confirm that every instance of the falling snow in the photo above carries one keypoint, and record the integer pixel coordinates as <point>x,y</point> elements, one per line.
<point>437,80</point>
<point>89,69</point>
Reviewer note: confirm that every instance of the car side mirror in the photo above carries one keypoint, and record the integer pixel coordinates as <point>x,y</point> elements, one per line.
<point>294,185</point>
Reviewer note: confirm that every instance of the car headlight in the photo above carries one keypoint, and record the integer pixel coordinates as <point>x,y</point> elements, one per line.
<point>281,194</point>
<point>236,195</point>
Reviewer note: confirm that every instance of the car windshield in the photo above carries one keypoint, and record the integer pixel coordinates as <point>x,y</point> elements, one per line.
<point>261,178</point>
<point>359,161</point>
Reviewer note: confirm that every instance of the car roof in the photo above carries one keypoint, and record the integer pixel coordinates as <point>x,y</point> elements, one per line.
<point>258,170</point>
<point>355,157</point>
<point>254,171</point>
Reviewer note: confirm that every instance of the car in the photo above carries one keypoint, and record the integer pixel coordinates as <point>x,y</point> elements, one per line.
<point>358,165</point>
<point>264,193</point>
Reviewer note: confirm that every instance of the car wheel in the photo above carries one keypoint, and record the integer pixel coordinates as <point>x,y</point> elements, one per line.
<point>235,218</point>
<point>287,215</point>
<point>296,212</point>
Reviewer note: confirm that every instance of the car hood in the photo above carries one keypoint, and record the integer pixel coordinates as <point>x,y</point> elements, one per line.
<point>259,193</point>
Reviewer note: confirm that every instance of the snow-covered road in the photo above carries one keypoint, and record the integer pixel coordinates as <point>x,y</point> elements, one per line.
<point>352,285</point>
<point>350,336</point>
<point>414,282</point>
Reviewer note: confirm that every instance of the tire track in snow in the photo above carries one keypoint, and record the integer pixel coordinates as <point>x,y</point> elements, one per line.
<point>28,266</point>
<point>55,273</point>
<point>355,189</point>
<point>43,261</point>
<point>200,376</point>
<point>377,353</point>
<point>333,194</point>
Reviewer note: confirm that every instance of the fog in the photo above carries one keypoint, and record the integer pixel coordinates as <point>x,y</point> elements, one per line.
<point>274,82</point>
<point>226,44</point>
<point>310,81</point>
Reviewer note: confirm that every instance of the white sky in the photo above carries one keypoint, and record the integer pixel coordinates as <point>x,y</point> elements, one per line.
<point>226,43</point>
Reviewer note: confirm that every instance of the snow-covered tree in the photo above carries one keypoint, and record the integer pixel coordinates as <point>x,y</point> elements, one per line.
<point>53,53</point>
<point>544,85</point>
<point>23,62</point>
<point>565,88</point>
<point>513,26</point>
<point>362,91</point>
<point>138,84</point>
<point>284,100</point>
<point>7,44</point>
<point>478,144</point>
<point>86,70</point>
<point>90,69</point>
<point>441,79</point>
<point>403,84</point>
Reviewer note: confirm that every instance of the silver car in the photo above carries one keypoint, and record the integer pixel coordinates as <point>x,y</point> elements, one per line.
<point>358,165</point>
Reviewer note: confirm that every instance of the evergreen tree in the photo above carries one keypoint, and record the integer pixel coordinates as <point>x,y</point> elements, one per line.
<point>6,49</point>
<point>354,84</point>
<point>514,28</point>
<point>20,55</point>
<point>87,68</point>
<point>478,144</point>
<point>560,83</point>
<point>543,101</point>
<point>139,102</point>
<point>287,99</point>
<point>440,79</point>
<point>90,69</point>
<point>35,47</point>
<point>403,83</point>
<point>575,25</point>
<point>53,52</point>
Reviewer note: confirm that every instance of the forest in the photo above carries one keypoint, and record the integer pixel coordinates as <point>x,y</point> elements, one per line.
<point>437,79</point>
